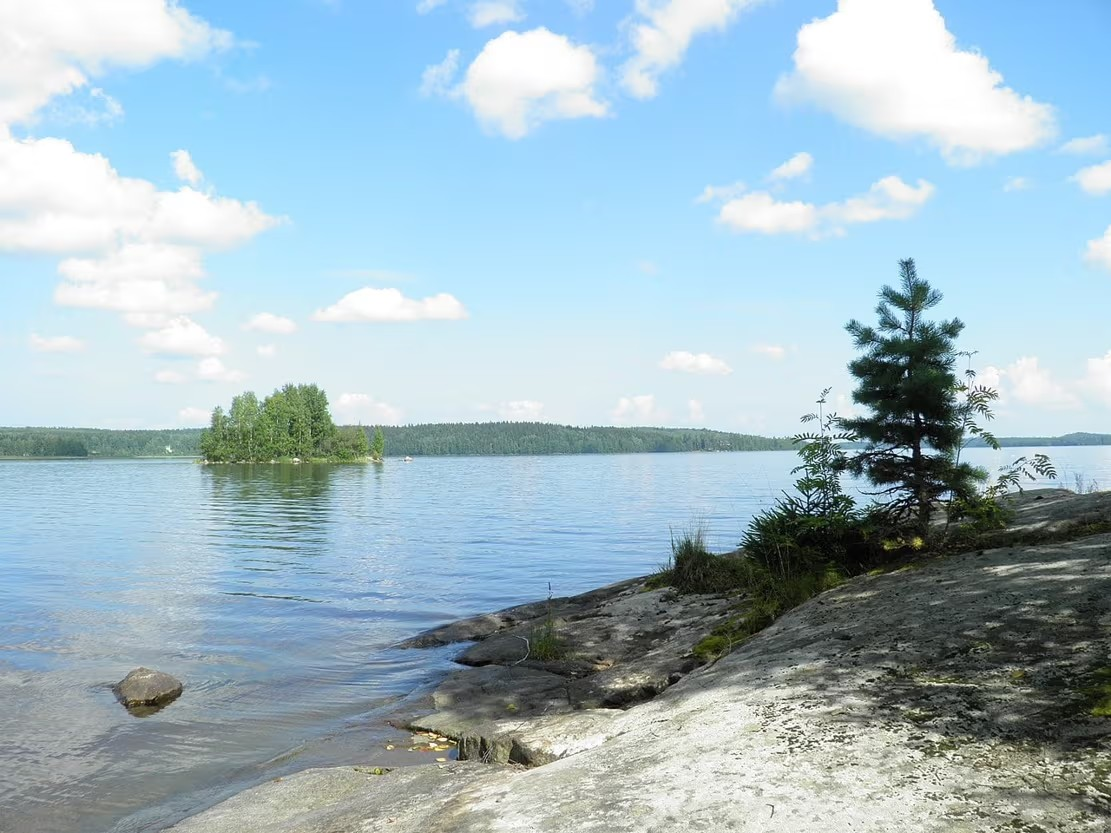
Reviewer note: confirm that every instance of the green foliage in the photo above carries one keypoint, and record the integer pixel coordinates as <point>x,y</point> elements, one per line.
<point>544,642</point>
<point>97,442</point>
<point>515,438</point>
<point>818,524</point>
<point>378,446</point>
<point>695,570</point>
<point>292,422</point>
<point>916,424</point>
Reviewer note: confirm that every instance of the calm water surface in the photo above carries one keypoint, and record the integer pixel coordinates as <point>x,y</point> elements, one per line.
<point>275,593</point>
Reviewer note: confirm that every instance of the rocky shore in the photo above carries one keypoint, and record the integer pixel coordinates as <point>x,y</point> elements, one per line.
<point>965,693</point>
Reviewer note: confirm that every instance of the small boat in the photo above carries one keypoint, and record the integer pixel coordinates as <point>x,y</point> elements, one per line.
<point>407,459</point>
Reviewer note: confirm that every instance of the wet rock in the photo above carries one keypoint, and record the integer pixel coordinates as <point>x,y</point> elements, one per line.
<point>145,687</point>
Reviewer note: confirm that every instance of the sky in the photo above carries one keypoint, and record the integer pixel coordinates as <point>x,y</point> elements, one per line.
<point>628,212</point>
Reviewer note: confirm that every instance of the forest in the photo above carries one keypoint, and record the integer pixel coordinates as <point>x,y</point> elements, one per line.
<point>515,438</point>
<point>292,423</point>
<point>442,439</point>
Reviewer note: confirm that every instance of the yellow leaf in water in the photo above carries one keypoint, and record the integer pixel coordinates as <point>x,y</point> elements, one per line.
<point>441,760</point>
<point>389,746</point>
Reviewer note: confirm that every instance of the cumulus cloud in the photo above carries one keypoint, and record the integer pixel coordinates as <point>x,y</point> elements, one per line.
<point>52,48</point>
<point>772,351</point>
<point>1085,145</point>
<point>169,377</point>
<point>133,249</point>
<point>893,68</point>
<point>1095,179</point>
<point>194,416</point>
<point>699,363</point>
<point>494,13</point>
<point>1097,380</point>
<point>184,167</point>
<point>362,408</point>
<point>1099,250</point>
<point>522,79</point>
<point>55,344</point>
<point>213,369</point>
<point>521,410</point>
<point>182,336</point>
<point>798,165</point>
<point>888,199</point>
<point>661,31</point>
<point>267,322</point>
<point>1031,384</point>
<point>695,412</point>
<point>370,304</point>
<point>637,410</point>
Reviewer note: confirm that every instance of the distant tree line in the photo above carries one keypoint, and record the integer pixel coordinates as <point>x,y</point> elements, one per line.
<point>292,422</point>
<point>97,442</point>
<point>516,438</point>
<point>460,439</point>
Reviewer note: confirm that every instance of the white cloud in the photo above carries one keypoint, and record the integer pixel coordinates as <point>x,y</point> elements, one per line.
<point>637,410</point>
<point>1098,377</point>
<point>1017,183</point>
<point>761,212</point>
<point>370,304</point>
<point>1094,180</point>
<point>51,48</point>
<point>772,351</point>
<point>212,369</point>
<point>1033,385</point>
<point>267,351</point>
<point>182,337</point>
<point>494,13</point>
<point>695,412</point>
<point>169,377</point>
<point>700,363</point>
<point>55,344</point>
<point>426,6</point>
<point>99,108</point>
<point>133,249</point>
<point>1085,145</point>
<point>185,169</point>
<point>437,79</point>
<point>522,79</point>
<point>1099,250</point>
<point>888,199</point>
<point>715,193</point>
<point>581,7</point>
<point>267,322</point>
<point>991,377</point>
<point>798,165</point>
<point>521,410</point>
<point>662,32</point>
<point>892,67</point>
<point>363,409</point>
<point>194,416</point>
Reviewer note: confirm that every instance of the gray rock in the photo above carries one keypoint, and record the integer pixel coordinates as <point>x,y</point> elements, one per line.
<point>145,687</point>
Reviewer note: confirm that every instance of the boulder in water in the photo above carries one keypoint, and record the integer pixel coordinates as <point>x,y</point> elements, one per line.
<point>144,687</point>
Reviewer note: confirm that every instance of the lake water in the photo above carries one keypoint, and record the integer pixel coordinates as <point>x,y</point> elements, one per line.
<point>276,593</point>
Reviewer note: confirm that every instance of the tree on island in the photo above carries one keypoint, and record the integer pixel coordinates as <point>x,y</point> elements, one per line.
<point>293,422</point>
<point>907,381</point>
<point>378,445</point>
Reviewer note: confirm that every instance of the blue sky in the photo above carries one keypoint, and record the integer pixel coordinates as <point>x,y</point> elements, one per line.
<point>618,212</point>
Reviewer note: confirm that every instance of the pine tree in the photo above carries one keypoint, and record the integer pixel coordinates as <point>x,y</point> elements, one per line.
<point>907,381</point>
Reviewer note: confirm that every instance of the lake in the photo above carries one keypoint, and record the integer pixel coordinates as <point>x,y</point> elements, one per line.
<point>276,593</point>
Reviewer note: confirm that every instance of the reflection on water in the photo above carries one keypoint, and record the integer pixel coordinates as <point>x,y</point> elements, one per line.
<point>275,593</point>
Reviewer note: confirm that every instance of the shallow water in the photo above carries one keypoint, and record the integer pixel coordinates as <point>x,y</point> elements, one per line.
<point>275,593</point>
